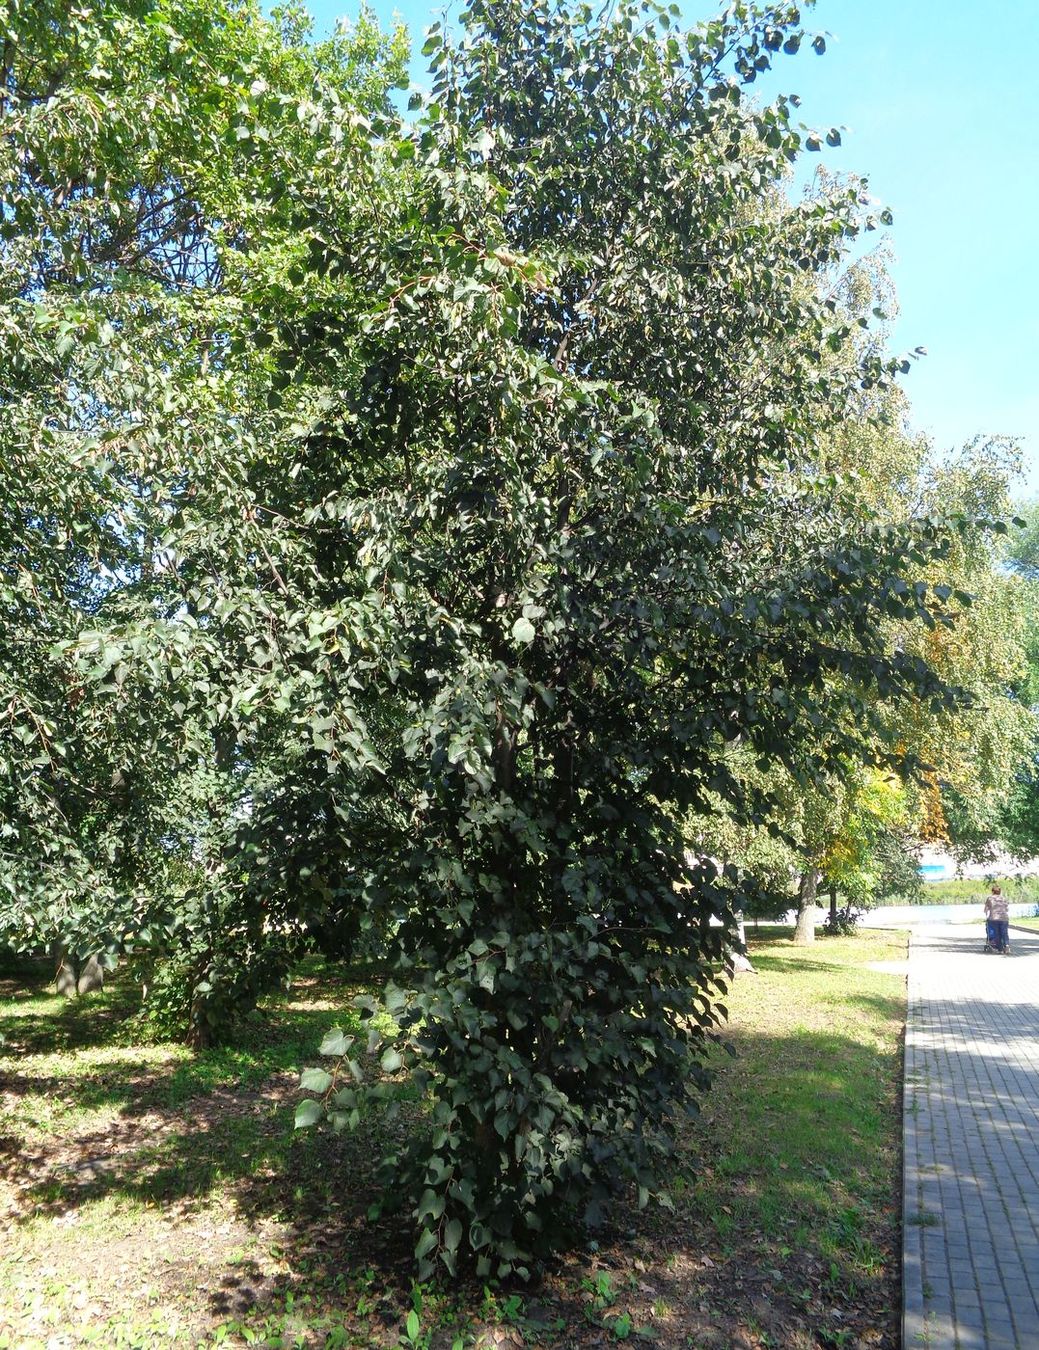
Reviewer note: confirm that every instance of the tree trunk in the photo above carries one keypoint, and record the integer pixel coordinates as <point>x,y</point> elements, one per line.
<point>833,905</point>
<point>65,975</point>
<point>804,932</point>
<point>91,976</point>
<point>73,977</point>
<point>740,960</point>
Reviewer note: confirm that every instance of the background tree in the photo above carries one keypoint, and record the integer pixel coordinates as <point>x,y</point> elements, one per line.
<point>145,149</point>
<point>1018,827</point>
<point>1023,544</point>
<point>976,759</point>
<point>972,757</point>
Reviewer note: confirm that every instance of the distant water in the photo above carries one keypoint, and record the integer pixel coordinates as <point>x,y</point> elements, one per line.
<point>908,916</point>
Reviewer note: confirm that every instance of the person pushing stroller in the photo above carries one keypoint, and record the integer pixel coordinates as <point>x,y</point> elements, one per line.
<point>997,922</point>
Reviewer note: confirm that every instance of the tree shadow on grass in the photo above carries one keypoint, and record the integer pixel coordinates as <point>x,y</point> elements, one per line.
<point>794,961</point>
<point>170,1126</point>
<point>890,1006</point>
<point>782,1210</point>
<point>218,1128</point>
<point>43,1022</point>
<point>772,1222</point>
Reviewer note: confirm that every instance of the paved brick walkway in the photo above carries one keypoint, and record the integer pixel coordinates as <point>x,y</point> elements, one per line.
<point>971,1253</point>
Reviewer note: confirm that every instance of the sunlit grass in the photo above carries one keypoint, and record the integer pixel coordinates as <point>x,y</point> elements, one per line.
<point>151,1178</point>
<point>803,1128</point>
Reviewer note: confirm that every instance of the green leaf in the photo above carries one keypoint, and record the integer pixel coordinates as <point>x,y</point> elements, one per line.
<point>315,1080</point>
<point>308,1113</point>
<point>523,630</point>
<point>335,1042</point>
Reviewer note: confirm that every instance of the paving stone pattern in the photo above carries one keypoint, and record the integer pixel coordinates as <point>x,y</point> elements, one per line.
<point>971,1197</point>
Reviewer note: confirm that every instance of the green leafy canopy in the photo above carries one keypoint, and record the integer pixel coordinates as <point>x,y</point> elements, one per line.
<point>414,519</point>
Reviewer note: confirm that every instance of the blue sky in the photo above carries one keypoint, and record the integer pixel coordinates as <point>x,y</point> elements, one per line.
<point>938,105</point>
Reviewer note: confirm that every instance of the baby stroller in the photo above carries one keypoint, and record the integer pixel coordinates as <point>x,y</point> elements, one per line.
<point>991,939</point>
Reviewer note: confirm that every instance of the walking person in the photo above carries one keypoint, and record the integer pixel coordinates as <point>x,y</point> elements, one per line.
<point>997,913</point>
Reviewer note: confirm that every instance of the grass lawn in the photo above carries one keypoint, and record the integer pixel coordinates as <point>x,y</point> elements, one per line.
<point>150,1196</point>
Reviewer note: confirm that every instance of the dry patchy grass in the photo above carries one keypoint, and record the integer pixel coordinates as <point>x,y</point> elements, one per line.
<point>151,1197</point>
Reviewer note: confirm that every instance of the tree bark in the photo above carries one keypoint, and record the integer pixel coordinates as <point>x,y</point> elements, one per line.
<point>804,932</point>
<point>91,976</point>
<point>73,977</point>
<point>833,904</point>
<point>65,974</point>
<point>741,962</point>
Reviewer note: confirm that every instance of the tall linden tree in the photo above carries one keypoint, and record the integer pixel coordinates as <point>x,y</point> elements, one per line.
<point>560,535</point>
<point>409,523</point>
<point>147,149</point>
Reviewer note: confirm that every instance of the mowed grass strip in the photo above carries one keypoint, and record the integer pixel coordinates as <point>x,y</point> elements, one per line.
<point>152,1195</point>
<point>800,1140</point>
